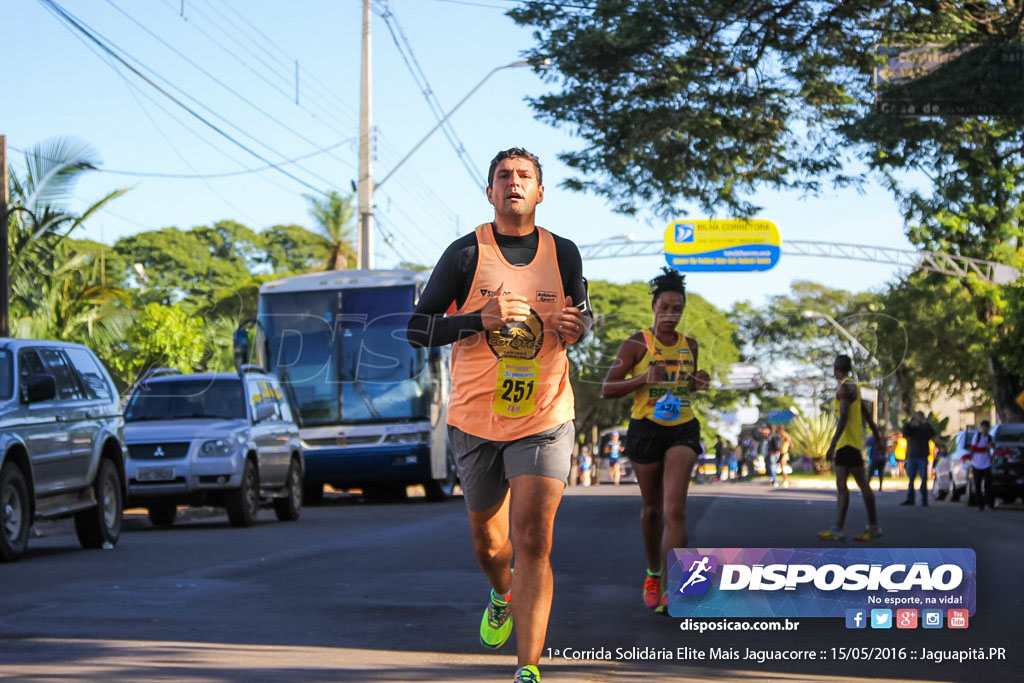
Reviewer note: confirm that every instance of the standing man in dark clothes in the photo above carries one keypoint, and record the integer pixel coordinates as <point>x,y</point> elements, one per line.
<point>918,433</point>
<point>719,454</point>
<point>510,297</point>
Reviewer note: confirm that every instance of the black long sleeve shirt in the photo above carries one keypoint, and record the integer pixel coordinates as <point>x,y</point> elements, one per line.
<point>453,276</point>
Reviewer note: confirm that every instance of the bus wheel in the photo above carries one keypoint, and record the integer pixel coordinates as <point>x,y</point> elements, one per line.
<point>443,489</point>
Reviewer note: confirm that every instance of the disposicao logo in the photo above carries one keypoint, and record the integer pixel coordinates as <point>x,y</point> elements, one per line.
<point>818,582</point>
<point>695,581</point>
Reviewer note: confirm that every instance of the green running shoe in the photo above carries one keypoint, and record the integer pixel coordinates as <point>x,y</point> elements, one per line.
<point>527,674</point>
<point>496,624</point>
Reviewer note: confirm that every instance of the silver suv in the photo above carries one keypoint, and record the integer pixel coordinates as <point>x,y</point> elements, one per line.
<point>220,439</point>
<point>61,443</point>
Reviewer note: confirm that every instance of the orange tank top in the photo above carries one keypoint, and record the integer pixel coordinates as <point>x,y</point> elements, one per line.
<point>513,382</point>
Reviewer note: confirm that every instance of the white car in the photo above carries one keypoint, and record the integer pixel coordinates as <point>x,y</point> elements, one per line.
<point>222,439</point>
<point>951,471</point>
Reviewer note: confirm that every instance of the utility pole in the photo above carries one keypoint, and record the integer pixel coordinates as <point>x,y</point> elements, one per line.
<point>5,276</point>
<point>365,189</point>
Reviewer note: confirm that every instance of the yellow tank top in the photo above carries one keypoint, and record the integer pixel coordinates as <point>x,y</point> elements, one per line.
<point>666,403</point>
<point>853,435</point>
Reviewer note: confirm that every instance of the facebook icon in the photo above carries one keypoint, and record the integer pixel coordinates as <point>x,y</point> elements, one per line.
<point>856,618</point>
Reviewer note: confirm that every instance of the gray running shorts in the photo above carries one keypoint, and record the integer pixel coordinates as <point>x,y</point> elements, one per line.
<point>485,466</point>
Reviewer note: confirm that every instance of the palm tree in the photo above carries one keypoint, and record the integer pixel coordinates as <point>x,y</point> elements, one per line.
<point>333,217</point>
<point>56,293</point>
<point>812,436</point>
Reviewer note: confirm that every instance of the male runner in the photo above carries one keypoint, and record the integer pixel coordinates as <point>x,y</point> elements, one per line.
<point>845,450</point>
<point>515,297</point>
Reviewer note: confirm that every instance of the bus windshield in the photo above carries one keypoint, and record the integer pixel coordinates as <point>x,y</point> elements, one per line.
<point>343,357</point>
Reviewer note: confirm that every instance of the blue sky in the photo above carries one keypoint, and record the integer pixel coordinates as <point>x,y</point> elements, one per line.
<point>58,86</point>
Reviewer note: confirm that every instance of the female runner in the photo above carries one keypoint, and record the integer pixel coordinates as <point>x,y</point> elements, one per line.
<point>664,434</point>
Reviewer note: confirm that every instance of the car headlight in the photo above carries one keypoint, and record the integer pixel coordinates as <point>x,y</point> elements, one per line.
<point>217,448</point>
<point>408,437</point>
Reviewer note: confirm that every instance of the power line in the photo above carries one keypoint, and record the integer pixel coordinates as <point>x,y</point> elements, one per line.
<point>196,176</point>
<point>326,90</point>
<point>424,85</point>
<point>67,18</point>
<point>224,85</point>
<point>329,113</point>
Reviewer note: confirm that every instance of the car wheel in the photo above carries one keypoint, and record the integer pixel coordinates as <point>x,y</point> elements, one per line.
<point>312,494</point>
<point>941,495</point>
<point>442,489</point>
<point>14,513</point>
<point>1009,500</point>
<point>957,492</point>
<point>243,504</point>
<point>163,515</point>
<point>288,508</point>
<point>101,524</point>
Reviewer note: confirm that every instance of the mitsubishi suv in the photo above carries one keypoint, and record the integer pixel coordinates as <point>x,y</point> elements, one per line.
<point>61,443</point>
<point>222,439</point>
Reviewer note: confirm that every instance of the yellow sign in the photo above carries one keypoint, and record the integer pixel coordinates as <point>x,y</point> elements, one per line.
<point>1020,400</point>
<point>722,245</point>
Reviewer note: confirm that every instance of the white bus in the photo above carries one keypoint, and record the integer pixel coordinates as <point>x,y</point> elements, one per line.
<point>371,409</point>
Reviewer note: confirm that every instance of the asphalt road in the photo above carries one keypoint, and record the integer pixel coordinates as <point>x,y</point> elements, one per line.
<point>389,592</point>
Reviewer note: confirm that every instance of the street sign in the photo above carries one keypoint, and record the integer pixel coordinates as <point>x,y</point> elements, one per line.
<point>1020,400</point>
<point>722,245</point>
<point>950,80</point>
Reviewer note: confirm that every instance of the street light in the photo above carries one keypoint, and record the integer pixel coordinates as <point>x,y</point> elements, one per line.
<point>366,185</point>
<point>843,331</point>
<point>512,65</point>
<point>846,333</point>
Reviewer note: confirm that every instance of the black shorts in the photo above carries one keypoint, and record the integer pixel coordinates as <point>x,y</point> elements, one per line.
<point>647,441</point>
<point>848,456</point>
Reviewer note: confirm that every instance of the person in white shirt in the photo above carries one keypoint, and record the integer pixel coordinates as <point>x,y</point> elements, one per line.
<point>981,466</point>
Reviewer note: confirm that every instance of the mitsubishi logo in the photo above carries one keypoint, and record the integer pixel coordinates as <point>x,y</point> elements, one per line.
<point>159,452</point>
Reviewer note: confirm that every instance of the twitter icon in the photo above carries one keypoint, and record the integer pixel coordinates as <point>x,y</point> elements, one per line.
<point>881,618</point>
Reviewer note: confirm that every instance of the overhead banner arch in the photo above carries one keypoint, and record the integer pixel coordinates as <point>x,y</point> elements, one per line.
<point>734,245</point>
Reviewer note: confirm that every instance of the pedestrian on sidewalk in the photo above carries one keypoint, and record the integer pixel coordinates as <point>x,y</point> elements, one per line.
<point>511,297</point>
<point>845,451</point>
<point>663,440</point>
<point>787,448</point>
<point>981,466</point>
<point>918,434</point>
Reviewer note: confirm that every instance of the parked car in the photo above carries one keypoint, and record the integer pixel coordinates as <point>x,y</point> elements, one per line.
<point>1008,462</point>
<point>61,443</point>
<point>952,470</point>
<point>222,439</point>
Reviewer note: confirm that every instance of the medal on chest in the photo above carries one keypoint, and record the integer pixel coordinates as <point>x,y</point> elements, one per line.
<point>517,346</point>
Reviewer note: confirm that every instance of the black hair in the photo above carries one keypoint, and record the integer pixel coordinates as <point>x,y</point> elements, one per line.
<point>844,364</point>
<point>670,280</point>
<point>514,153</point>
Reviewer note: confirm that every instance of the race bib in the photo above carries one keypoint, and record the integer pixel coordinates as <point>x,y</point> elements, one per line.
<point>515,387</point>
<point>667,407</point>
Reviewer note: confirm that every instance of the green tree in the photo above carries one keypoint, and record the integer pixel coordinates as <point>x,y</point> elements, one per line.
<point>702,103</point>
<point>291,249</point>
<point>333,218</point>
<point>57,291</point>
<point>162,336</point>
